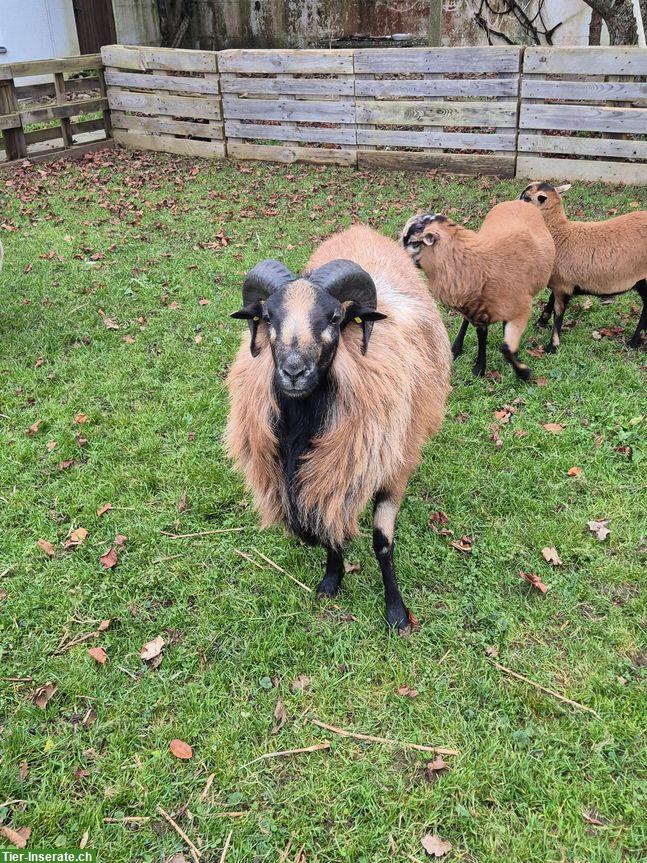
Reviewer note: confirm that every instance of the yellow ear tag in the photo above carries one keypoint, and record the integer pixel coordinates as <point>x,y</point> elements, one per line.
<point>358,320</point>
<point>256,318</point>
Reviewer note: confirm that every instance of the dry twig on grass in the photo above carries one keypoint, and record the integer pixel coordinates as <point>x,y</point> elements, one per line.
<point>207,787</point>
<point>226,848</point>
<point>195,853</point>
<point>545,689</point>
<point>201,532</point>
<point>284,571</point>
<point>439,750</point>
<point>285,752</point>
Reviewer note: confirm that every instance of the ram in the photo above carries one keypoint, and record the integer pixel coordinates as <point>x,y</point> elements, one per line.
<point>342,379</point>
<point>488,275</point>
<point>599,258</point>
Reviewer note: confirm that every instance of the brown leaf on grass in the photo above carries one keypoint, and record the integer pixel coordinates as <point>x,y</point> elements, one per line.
<point>111,324</point>
<point>436,518</point>
<point>521,433</point>
<point>82,441</point>
<point>300,684</point>
<point>435,846</point>
<point>435,767</point>
<point>121,540</point>
<point>534,580</point>
<point>414,623</point>
<point>550,556</point>
<point>81,418</point>
<point>463,544</point>
<point>504,414</point>
<point>407,691</point>
<point>128,339</point>
<point>109,558</point>
<point>104,625</point>
<point>152,649</point>
<point>599,528</point>
<point>462,417</point>
<point>3,594</point>
<point>98,654</point>
<point>46,546</point>
<point>180,749</point>
<point>574,471</point>
<point>537,353</point>
<point>553,428</point>
<point>198,338</point>
<point>104,509</point>
<point>593,817</point>
<point>44,694</point>
<point>50,445</point>
<point>16,837</point>
<point>352,567</point>
<point>541,382</point>
<point>64,465</point>
<point>24,770</point>
<point>181,506</point>
<point>495,437</point>
<point>39,362</point>
<point>492,650</point>
<point>77,537</point>
<point>281,717</point>
<point>33,428</point>
<point>204,302</point>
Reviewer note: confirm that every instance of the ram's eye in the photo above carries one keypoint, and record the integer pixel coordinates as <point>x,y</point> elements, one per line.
<point>266,316</point>
<point>335,318</point>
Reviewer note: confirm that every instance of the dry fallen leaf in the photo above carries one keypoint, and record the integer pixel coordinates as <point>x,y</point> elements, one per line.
<point>599,528</point>
<point>180,749</point>
<point>103,625</point>
<point>77,537</point>
<point>81,418</point>
<point>43,694</point>
<point>592,818</point>
<point>281,717</point>
<point>574,471</point>
<point>407,691</point>
<point>463,544</point>
<point>121,540</point>
<point>300,684</point>
<point>152,649</point>
<point>65,464</point>
<point>33,428</point>
<point>352,567</point>
<point>550,556</point>
<point>435,846</point>
<point>104,509</point>
<point>109,558</point>
<point>50,445</point>
<point>84,840</point>
<point>24,770</point>
<point>534,580</point>
<point>554,428</point>
<point>98,654</point>
<point>3,593</point>
<point>204,302</point>
<point>541,382</point>
<point>17,837</point>
<point>492,650</point>
<point>181,506</point>
<point>47,547</point>
<point>437,765</point>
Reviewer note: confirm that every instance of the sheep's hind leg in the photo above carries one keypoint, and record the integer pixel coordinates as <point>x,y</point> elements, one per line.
<point>511,338</point>
<point>331,582</point>
<point>561,304</point>
<point>386,508</point>
<point>478,369</point>
<point>544,317</point>
<point>641,287</point>
<point>457,347</point>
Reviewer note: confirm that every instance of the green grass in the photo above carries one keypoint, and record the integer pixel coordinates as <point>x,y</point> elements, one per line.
<point>170,232</point>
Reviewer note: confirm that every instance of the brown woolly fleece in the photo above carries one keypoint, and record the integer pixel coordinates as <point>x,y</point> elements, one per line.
<point>388,403</point>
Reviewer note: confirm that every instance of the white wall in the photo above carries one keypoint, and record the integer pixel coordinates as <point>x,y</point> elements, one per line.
<point>37,29</point>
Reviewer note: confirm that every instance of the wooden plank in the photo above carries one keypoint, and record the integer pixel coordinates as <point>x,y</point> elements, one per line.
<point>169,59</point>
<point>10,121</point>
<point>49,133</point>
<point>143,81</point>
<point>342,111</point>
<point>577,146</point>
<point>103,90</point>
<point>337,62</point>
<point>14,137</point>
<point>289,155</point>
<point>532,167</point>
<point>86,126</point>
<point>56,112</point>
<point>162,103</point>
<point>168,126</point>
<point>72,85</point>
<point>409,113</point>
<point>282,132</point>
<point>584,118</point>
<point>460,60</point>
<point>444,140</point>
<point>59,87</point>
<point>392,88</point>
<point>625,91</point>
<point>586,61</point>
<point>80,63</point>
<point>168,144</point>
<point>287,86</point>
<point>455,163</point>
<point>5,73</point>
<point>76,152</point>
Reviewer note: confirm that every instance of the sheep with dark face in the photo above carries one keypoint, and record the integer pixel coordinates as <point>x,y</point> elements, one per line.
<point>342,379</point>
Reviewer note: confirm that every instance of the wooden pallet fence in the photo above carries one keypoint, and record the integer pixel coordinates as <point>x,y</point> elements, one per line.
<point>583,114</point>
<point>165,99</point>
<point>453,109</point>
<point>66,116</point>
<point>289,106</point>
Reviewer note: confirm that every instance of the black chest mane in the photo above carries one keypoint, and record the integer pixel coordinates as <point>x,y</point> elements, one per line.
<point>299,421</point>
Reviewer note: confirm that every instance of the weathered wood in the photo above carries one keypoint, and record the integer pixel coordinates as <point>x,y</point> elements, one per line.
<point>283,132</point>
<point>76,152</point>
<point>289,155</point>
<point>5,73</point>
<point>49,133</point>
<point>578,146</point>
<point>445,140</point>
<point>143,81</point>
<point>324,62</point>
<point>624,91</point>
<point>584,118</point>
<point>56,112</point>
<point>284,85</point>
<point>391,88</point>
<point>59,88</point>
<point>457,60</point>
<point>408,113</point>
<point>168,59</point>
<point>235,108</point>
<point>168,126</point>
<point>72,85</point>
<point>10,121</point>
<point>455,163</point>
<point>85,126</point>
<point>168,144</point>
<point>586,61</point>
<point>103,90</point>
<point>531,167</point>
<point>14,137</point>
<point>161,103</point>
<point>81,63</point>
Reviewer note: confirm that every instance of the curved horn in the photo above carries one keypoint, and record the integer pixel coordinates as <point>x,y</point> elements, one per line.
<point>265,278</point>
<point>346,281</point>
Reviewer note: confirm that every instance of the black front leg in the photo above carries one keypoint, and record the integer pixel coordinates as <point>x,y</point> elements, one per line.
<point>544,317</point>
<point>560,307</point>
<point>331,582</point>
<point>641,287</point>
<point>457,347</point>
<point>478,369</point>
<point>384,516</point>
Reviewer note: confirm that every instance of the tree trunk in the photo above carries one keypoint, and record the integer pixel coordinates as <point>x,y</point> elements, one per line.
<point>619,17</point>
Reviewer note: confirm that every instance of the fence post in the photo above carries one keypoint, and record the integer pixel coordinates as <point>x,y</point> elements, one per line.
<point>522,54</point>
<point>14,138</point>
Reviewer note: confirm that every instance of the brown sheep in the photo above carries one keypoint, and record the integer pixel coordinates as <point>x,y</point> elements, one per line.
<point>488,275</point>
<point>333,395</point>
<point>599,258</point>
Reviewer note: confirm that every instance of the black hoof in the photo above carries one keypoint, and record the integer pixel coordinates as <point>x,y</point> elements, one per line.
<point>328,588</point>
<point>478,371</point>
<point>398,619</point>
<point>523,372</point>
<point>550,348</point>
<point>634,342</point>
<point>542,322</point>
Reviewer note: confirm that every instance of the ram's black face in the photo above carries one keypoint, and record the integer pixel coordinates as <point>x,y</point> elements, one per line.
<point>304,323</point>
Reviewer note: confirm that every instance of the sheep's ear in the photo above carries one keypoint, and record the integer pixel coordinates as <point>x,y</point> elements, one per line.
<point>366,318</point>
<point>563,188</point>
<point>251,314</point>
<point>429,239</point>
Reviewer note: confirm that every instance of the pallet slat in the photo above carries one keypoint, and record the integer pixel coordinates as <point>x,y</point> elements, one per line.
<point>584,118</point>
<point>169,59</point>
<point>445,140</point>
<point>58,112</point>
<point>285,132</point>
<point>284,109</point>
<point>391,88</point>
<point>409,113</point>
<point>169,144</point>
<point>283,85</point>
<point>139,81</point>
<point>430,60</point>
<point>459,163</point>
<point>162,103</point>
<point>585,61</point>
<point>531,167</point>
<point>168,126</point>
<point>622,91</point>
<point>575,146</point>
<point>323,62</point>
<point>289,155</point>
